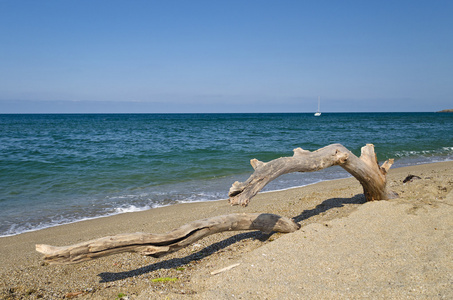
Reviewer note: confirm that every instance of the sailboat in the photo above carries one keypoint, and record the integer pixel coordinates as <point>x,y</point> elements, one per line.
<point>318,113</point>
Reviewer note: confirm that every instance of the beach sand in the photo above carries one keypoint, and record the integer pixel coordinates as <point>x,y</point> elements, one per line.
<point>346,248</point>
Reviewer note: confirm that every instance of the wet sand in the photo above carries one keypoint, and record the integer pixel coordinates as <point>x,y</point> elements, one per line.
<point>346,248</point>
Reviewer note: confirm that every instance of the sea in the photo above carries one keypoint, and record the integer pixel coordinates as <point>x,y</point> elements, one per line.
<point>63,168</point>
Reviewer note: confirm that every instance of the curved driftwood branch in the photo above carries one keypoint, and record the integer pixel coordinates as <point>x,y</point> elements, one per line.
<point>365,169</point>
<point>158,245</point>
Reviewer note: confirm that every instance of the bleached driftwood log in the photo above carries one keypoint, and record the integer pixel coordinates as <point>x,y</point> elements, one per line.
<point>158,245</point>
<point>365,169</point>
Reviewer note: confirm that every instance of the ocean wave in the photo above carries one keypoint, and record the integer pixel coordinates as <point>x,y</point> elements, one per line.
<point>444,151</point>
<point>131,208</point>
<point>15,229</point>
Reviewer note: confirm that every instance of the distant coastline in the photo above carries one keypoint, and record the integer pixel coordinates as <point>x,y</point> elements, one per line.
<point>446,111</point>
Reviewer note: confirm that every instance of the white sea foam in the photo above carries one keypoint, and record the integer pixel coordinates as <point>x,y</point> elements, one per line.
<point>131,208</point>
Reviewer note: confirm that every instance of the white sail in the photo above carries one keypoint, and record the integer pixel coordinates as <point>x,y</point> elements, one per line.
<point>318,113</point>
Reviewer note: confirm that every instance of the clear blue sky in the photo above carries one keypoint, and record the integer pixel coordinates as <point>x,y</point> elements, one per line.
<point>225,56</point>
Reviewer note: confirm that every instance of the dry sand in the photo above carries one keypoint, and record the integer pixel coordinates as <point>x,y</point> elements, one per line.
<point>345,249</point>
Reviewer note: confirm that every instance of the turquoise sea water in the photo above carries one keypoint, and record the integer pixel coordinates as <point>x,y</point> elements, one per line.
<point>62,168</point>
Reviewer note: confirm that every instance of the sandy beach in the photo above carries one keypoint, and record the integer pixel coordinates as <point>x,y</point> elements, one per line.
<point>346,248</point>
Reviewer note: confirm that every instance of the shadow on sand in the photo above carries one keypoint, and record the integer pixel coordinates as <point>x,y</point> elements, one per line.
<point>329,204</point>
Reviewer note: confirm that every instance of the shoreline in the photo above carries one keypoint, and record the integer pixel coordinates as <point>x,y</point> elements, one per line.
<point>200,201</point>
<point>320,203</point>
<point>157,207</point>
<point>160,206</point>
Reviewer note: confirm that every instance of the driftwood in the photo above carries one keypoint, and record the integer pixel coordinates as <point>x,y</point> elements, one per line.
<point>157,245</point>
<point>365,169</point>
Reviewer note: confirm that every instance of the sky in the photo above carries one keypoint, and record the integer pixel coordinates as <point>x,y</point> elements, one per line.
<point>78,56</point>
